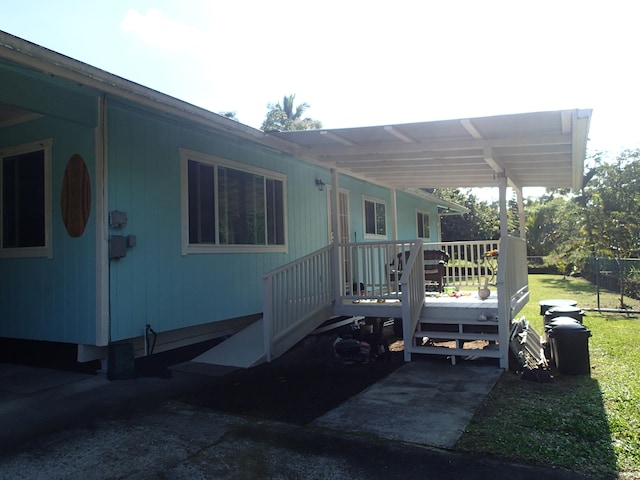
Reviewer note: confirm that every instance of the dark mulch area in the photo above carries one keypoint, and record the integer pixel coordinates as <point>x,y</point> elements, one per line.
<point>298,387</point>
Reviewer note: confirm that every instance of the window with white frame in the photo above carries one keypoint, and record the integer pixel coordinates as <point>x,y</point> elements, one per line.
<point>25,203</point>
<point>375,218</point>
<point>232,205</point>
<point>422,222</point>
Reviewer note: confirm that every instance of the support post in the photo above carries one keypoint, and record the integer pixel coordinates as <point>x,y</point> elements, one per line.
<point>520,199</point>
<point>504,302</point>
<point>335,258</point>
<point>394,215</point>
<point>102,319</point>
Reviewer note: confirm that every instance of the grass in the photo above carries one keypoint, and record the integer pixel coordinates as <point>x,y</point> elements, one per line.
<point>588,424</point>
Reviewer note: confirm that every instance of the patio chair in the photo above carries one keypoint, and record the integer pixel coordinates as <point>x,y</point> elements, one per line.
<point>435,262</point>
<point>434,266</point>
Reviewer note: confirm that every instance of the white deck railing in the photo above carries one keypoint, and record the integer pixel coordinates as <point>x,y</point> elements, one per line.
<point>296,297</point>
<point>469,265</point>
<point>300,295</point>
<point>367,269</point>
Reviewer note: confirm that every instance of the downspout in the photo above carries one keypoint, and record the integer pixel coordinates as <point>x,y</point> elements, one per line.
<point>337,277</point>
<point>504,303</point>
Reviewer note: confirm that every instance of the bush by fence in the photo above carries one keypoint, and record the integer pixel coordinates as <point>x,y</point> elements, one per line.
<point>614,274</point>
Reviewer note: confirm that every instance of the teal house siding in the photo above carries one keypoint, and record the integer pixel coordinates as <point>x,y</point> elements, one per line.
<point>52,298</point>
<point>408,206</point>
<point>156,283</point>
<point>76,295</point>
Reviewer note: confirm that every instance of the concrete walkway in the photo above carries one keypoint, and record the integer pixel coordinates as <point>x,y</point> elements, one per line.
<point>65,425</point>
<point>425,402</point>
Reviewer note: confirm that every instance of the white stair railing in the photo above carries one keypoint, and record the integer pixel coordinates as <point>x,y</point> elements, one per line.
<point>516,279</point>
<point>412,296</point>
<point>297,297</point>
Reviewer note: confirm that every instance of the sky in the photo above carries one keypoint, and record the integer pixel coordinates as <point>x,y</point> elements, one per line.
<point>360,63</point>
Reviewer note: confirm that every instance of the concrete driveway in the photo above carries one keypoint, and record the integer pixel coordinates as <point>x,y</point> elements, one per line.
<point>89,428</point>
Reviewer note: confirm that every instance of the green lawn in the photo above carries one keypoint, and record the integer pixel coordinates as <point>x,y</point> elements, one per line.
<point>585,423</point>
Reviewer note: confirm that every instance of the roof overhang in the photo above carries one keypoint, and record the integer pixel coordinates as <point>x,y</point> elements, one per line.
<point>47,61</point>
<point>541,149</point>
<point>445,207</point>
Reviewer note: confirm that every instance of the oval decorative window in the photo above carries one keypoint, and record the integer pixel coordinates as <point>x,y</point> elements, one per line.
<point>75,203</point>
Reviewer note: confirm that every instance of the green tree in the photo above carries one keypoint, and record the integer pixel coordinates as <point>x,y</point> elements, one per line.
<point>612,199</point>
<point>610,203</point>
<point>230,114</point>
<point>480,223</point>
<point>285,116</point>
<point>545,222</point>
<point>513,215</point>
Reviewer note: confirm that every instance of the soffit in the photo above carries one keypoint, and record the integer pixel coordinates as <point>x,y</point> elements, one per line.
<point>541,149</point>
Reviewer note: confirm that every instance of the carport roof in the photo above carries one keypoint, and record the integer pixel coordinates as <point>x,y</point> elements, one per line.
<point>541,149</point>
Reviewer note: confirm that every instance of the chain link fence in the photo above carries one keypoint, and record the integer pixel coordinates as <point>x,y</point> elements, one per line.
<point>620,275</point>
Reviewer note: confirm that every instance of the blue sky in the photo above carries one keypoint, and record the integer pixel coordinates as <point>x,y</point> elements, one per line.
<point>361,63</point>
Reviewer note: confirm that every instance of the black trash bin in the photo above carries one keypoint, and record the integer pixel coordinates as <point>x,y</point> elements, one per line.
<point>570,345</point>
<point>564,311</point>
<point>558,321</point>
<point>547,304</point>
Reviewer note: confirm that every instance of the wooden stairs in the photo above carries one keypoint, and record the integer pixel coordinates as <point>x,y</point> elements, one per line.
<point>463,330</point>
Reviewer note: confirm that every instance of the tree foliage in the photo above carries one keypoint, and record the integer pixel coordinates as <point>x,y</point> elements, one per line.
<point>600,221</point>
<point>230,114</point>
<point>285,116</point>
<point>611,204</point>
<point>547,223</point>
<point>481,223</point>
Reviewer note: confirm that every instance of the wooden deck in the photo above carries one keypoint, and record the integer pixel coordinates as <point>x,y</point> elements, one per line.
<point>455,325</point>
<point>465,300</point>
<point>371,291</point>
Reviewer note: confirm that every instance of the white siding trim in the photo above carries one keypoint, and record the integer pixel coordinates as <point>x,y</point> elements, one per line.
<point>102,241</point>
<point>47,249</point>
<point>187,249</point>
<point>372,236</point>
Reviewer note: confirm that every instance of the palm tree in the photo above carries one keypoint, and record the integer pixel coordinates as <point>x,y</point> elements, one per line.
<point>285,116</point>
<point>287,107</point>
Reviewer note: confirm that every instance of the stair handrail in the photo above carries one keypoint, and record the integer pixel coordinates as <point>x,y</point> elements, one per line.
<point>412,287</point>
<point>295,296</point>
